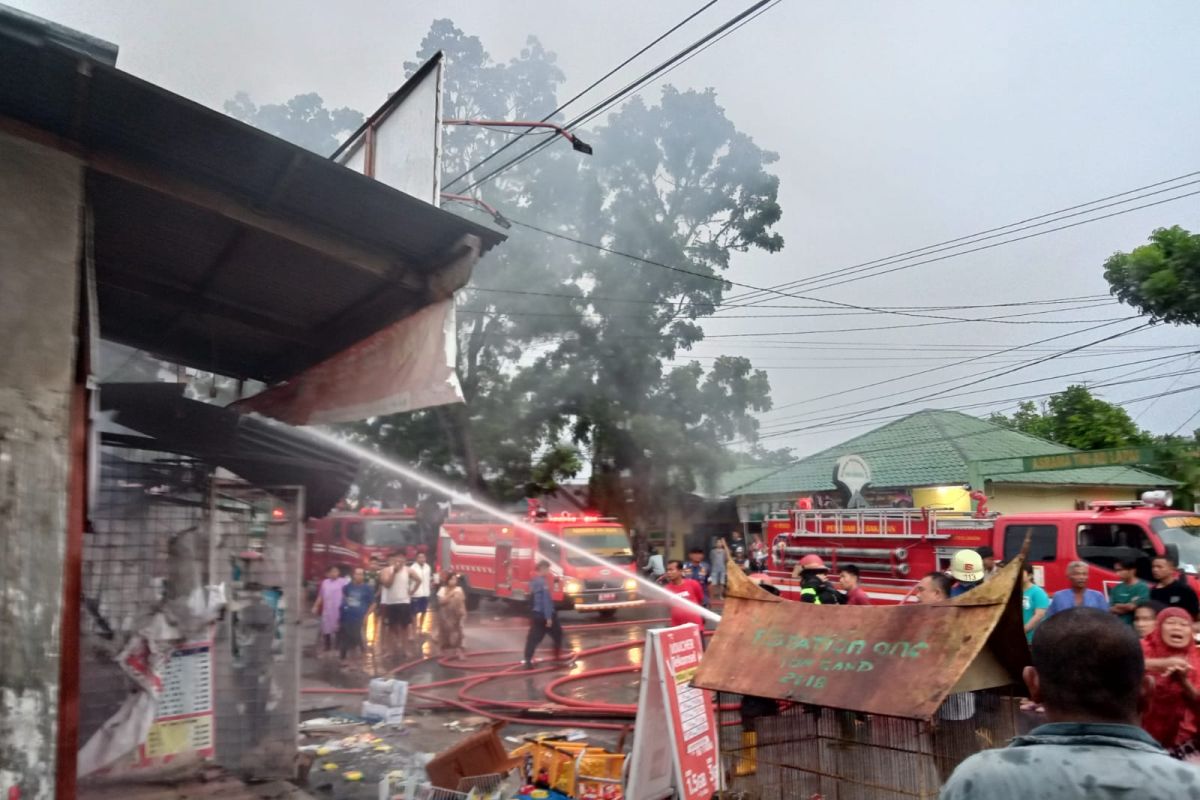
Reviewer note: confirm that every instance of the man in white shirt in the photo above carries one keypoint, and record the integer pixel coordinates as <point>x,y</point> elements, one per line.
<point>420,597</point>
<point>397,582</point>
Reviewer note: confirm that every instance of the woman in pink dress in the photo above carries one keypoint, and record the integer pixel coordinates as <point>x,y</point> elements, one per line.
<point>328,605</point>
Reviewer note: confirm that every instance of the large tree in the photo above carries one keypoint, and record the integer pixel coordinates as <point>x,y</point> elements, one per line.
<point>570,353</point>
<point>1077,418</point>
<point>1161,278</point>
<point>303,120</point>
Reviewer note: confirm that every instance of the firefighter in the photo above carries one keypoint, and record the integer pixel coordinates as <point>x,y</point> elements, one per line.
<point>966,566</point>
<point>814,588</point>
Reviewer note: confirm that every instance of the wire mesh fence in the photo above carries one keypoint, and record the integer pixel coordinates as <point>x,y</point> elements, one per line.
<point>807,751</point>
<point>190,635</point>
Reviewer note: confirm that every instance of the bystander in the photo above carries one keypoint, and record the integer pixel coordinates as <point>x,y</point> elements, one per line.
<point>1088,673</point>
<point>1078,595</point>
<point>1171,587</point>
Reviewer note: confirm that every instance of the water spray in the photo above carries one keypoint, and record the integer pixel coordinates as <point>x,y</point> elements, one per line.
<point>456,496</point>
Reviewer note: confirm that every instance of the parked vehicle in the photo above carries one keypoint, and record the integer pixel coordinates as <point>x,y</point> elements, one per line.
<point>894,547</point>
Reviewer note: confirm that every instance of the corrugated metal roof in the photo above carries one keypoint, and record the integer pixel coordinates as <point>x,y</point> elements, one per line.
<point>933,448</point>
<point>218,245</point>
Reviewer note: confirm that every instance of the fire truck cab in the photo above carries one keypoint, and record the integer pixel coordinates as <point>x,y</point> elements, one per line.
<point>893,548</point>
<point>363,538</point>
<point>498,559</point>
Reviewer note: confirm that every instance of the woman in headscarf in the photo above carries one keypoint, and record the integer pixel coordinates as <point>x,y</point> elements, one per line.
<point>1174,662</point>
<point>451,613</point>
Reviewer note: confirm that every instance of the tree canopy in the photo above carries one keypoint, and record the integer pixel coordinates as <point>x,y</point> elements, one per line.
<point>572,355</point>
<point>1077,418</point>
<point>1161,278</point>
<point>303,120</point>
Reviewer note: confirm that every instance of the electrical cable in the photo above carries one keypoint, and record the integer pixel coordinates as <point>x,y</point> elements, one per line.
<point>981,378</point>
<point>590,86</point>
<point>1001,230</point>
<point>627,89</point>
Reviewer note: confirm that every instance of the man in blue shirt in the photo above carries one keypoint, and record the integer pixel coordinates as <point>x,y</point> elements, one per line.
<point>1078,596</point>
<point>543,617</point>
<point>1089,673</point>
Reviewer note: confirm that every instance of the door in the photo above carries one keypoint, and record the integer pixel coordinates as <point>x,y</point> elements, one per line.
<point>504,569</point>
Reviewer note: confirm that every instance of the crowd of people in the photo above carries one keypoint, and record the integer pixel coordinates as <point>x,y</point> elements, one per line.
<point>400,598</point>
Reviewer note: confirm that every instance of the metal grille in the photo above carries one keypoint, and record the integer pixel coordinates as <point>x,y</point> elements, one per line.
<point>147,546</point>
<point>256,553</point>
<point>805,751</point>
<point>163,532</point>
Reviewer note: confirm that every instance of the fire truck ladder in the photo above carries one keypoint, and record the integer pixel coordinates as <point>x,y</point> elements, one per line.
<point>908,523</point>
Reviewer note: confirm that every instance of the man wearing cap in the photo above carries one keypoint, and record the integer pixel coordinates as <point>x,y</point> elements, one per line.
<point>814,588</point>
<point>966,566</point>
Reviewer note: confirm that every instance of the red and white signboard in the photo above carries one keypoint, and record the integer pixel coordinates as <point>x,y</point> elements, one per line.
<point>675,749</point>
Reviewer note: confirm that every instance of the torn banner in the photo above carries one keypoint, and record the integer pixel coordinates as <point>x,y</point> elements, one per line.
<point>407,366</point>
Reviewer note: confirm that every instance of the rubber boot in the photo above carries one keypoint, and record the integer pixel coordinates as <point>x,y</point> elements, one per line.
<point>748,756</point>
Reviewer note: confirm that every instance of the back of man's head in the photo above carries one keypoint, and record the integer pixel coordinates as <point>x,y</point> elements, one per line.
<point>1089,667</point>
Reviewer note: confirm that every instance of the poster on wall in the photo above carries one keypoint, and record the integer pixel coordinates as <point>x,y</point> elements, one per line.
<point>183,725</point>
<point>675,746</point>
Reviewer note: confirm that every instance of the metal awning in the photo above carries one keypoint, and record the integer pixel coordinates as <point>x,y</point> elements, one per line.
<point>217,245</point>
<point>263,453</point>
<point>899,661</point>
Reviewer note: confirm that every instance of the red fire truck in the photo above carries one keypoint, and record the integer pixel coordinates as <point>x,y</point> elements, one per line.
<point>895,547</point>
<point>497,559</point>
<point>362,538</point>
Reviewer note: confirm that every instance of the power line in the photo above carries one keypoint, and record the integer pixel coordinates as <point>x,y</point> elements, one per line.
<point>1003,318</point>
<point>1146,364</point>
<point>590,86</point>
<point>983,378</point>
<point>590,298</point>
<point>631,87</point>
<point>957,437</point>
<point>717,278</point>
<point>971,238</point>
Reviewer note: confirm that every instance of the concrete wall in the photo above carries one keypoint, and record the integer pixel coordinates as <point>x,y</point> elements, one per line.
<point>1012,498</point>
<point>41,196</point>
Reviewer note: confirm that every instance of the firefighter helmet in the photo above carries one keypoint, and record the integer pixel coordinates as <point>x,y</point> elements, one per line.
<point>813,562</point>
<point>967,566</point>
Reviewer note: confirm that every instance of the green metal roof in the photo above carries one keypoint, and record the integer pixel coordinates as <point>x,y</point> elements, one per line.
<point>932,448</point>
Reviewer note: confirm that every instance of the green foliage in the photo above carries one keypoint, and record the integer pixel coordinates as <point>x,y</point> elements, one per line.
<point>1079,419</point>
<point>1162,278</point>
<point>551,382</point>
<point>303,120</point>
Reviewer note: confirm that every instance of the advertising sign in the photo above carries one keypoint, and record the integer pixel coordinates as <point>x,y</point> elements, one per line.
<point>675,750</point>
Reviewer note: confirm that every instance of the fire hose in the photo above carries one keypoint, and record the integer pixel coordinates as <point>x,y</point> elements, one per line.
<point>506,710</point>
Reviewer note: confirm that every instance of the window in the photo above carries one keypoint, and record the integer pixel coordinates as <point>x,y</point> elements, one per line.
<point>1103,543</point>
<point>337,529</point>
<point>1043,544</point>
<point>354,532</point>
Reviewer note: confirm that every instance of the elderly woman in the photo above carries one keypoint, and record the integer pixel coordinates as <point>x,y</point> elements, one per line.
<point>451,614</point>
<point>1174,662</point>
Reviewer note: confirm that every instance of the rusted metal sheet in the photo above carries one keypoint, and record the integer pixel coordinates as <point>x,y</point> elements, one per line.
<point>900,661</point>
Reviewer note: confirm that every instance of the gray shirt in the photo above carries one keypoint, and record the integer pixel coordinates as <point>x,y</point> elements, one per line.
<point>1067,760</point>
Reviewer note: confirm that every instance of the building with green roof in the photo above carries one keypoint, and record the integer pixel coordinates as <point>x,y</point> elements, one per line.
<point>931,458</point>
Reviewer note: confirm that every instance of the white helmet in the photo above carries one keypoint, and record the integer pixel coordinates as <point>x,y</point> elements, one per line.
<point>967,566</point>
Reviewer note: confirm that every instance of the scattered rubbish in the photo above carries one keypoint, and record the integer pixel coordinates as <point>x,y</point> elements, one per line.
<point>570,770</point>
<point>329,766</point>
<point>328,723</point>
<point>386,699</point>
<point>481,753</point>
<point>353,775</point>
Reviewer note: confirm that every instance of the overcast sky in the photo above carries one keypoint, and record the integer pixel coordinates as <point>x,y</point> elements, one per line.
<point>898,124</point>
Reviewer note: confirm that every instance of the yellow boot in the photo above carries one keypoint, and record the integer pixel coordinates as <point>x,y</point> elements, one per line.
<point>748,756</point>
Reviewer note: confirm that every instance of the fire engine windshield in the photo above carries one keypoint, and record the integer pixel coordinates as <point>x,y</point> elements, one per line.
<point>611,544</point>
<point>391,533</point>
<point>1184,533</point>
